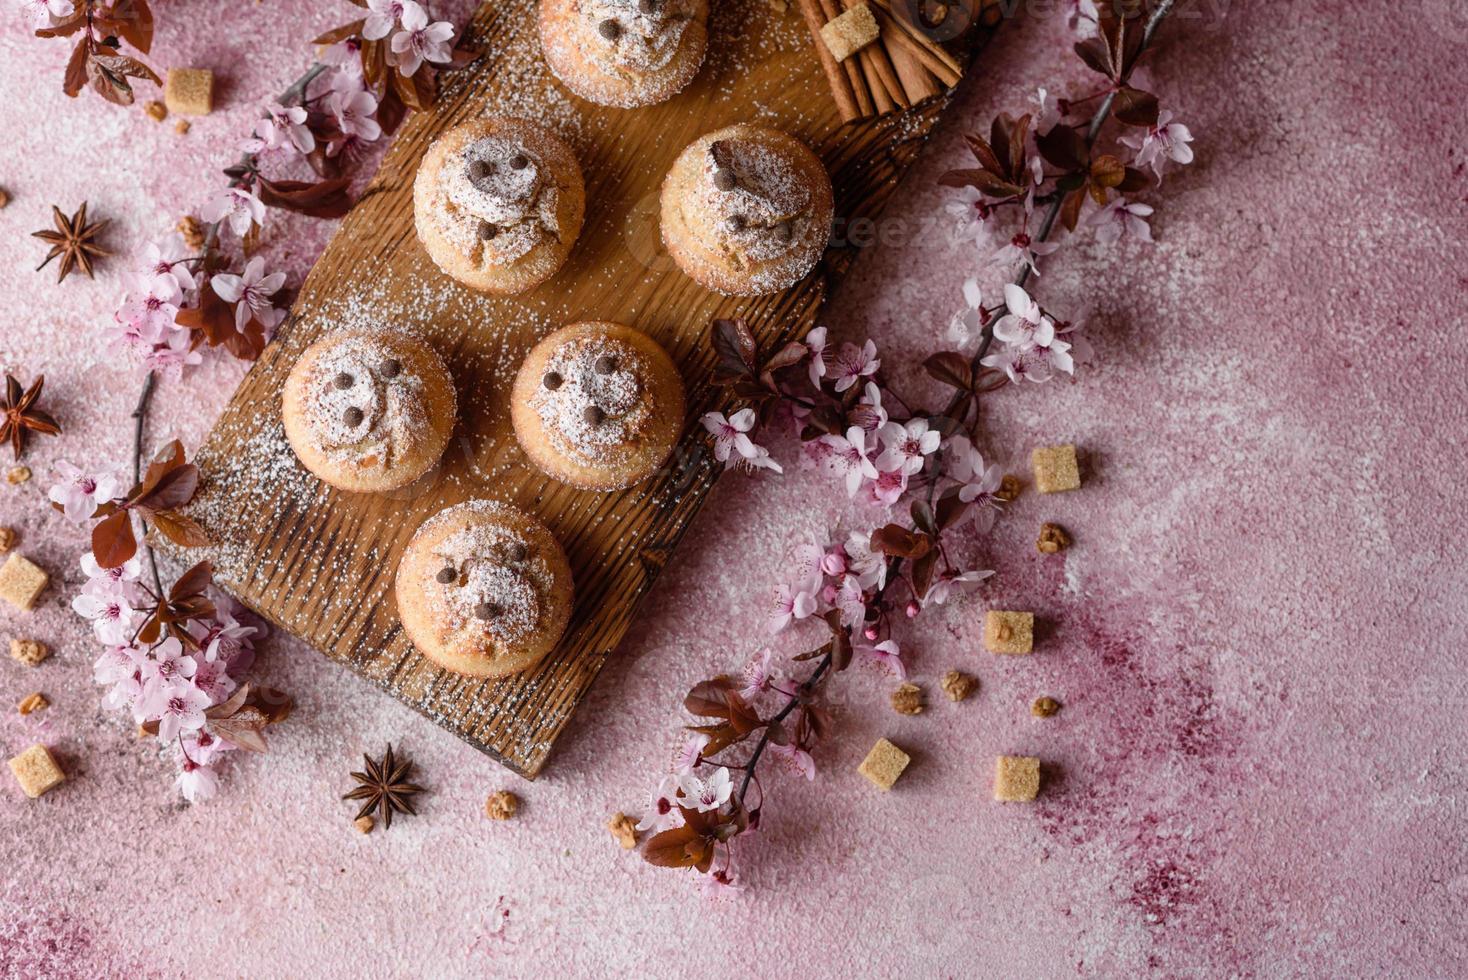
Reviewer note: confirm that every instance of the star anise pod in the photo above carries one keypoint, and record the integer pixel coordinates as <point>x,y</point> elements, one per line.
<point>73,240</point>
<point>384,788</point>
<point>19,414</point>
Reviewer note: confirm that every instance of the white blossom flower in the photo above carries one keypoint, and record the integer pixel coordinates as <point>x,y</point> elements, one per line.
<point>706,794</point>
<point>383,16</point>
<point>1121,219</point>
<point>251,294</point>
<point>1164,142</point>
<point>236,207</point>
<point>420,41</point>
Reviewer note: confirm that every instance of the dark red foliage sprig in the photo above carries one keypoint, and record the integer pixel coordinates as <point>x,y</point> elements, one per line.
<point>1079,167</point>
<point>97,60</point>
<point>167,486</point>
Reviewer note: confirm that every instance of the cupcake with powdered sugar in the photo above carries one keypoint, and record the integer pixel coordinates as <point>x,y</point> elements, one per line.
<point>484,589</point>
<point>498,203</point>
<point>624,53</point>
<point>747,210</point>
<point>368,411</point>
<point>597,405</point>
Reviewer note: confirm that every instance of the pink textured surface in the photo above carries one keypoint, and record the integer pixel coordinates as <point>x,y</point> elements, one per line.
<point>1257,637</point>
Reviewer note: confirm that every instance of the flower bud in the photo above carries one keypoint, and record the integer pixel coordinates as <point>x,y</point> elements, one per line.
<point>912,608</point>
<point>870,632</point>
<point>834,562</point>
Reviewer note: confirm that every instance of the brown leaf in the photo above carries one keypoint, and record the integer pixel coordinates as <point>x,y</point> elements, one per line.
<point>318,199</point>
<point>897,541</point>
<point>181,530</point>
<point>342,33</point>
<point>950,368</point>
<point>75,78</point>
<point>113,541</point>
<point>840,640</point>
<point>736,350</point>
<point>244,728</point>
<point>192,582</point>
<point>131,20</point>
<point>173,488</point>
<point>1135,107</point>
<point>681,847</point>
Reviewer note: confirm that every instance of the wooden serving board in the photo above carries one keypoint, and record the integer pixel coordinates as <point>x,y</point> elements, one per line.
<point>319,563</point>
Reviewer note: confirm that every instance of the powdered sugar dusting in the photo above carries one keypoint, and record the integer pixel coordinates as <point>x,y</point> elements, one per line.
<point>495,202</point>
<point>644,39</point>
<point>599,404</point>
<point>361,404</point>
<point>763,213</point>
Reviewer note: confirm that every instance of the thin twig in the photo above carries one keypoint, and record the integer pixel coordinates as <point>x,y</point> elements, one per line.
<point>140,415</point>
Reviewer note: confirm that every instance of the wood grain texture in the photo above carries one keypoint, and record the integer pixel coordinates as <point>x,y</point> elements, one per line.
<point>319,563</point>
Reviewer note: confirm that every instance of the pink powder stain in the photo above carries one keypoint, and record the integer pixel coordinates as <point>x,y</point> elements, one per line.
<point>1257,636</point>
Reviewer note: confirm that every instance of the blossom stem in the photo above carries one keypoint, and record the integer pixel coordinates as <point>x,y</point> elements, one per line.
<point>764,739</point>
<point>140,416</point>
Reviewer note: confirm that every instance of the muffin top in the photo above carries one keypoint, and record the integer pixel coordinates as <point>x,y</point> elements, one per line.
<point>751,202</point>
<point>495,197</point>
<point>592,400</point>
<point>634,37</point>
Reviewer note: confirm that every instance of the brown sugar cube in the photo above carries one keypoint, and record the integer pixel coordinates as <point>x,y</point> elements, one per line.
<point>32,703</point>
<point>501,805</point>
<point>21,581</point>
<point>1055,468</point>
<point>189,91</point>
<point>1016,778</point>
<point>849,33</point>
<point>29,652</point>
<point>624,828</point>
<point>36,771</point>
<point>1009,632</point>
<point>883,764</point>
<point>156,111</point>
<point>7,539</point>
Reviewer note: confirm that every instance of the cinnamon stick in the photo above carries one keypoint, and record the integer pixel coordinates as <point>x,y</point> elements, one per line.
<point>880,96</point>
<point>917,82</point>
<point>933,58</point>
<point>879,71</point>
<point>852,68</point>
<point>931,50</point>
<point>836,76</point>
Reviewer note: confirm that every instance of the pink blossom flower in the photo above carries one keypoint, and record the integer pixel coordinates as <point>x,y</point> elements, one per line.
<point>977,483</point>
<point>731,438</point>
<point>282,126</point>
<point>118,662</point>
<point>759,674</point>
<point>179,707</point>
<point>166,271</point>
<point>793,760</point>
<point>1121,219</point>
<point>1054,356</point>
<point>704,795</point>
<point>196,781</point>
<point>690,755</point>
<point>346,56</point>
<point>203,746</point>
<point>720,884</point>
<point>948,582</point>
<point>166,665</point>
<point>383,16</point>
<point>849,458</point>
<point>354,114</point>
<point>794,603</point>
<point>848,599</point>
<point>833,562</point>
<point>1082,17</point>
<point>663,813</point>
<point>855,363</point>
<point>971,212</point>
<point>109,581</point>
<point>80,493</point>
<point>223,637</point>
<point>886,655</point>
<point>1019,365</point>
<point>113,618</point>
<point>251,294</point>
<point>213,679</point>
<point>908,445</point>
<point>237,207</point>
<point>43,13</point>
<point>1022,250</point>
<point>815,342</point>
<point>868,566</point>
<point>887,488</point>
<point>869,413</point>
<point>1046,113</point>
<point>1024,325</point>
<point>1164,142</point>
<point>420,41</point>
<point>171,354</point>
<point>967,325</point>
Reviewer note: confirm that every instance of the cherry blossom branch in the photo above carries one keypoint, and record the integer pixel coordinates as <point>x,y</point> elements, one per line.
<point>801,692</point>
